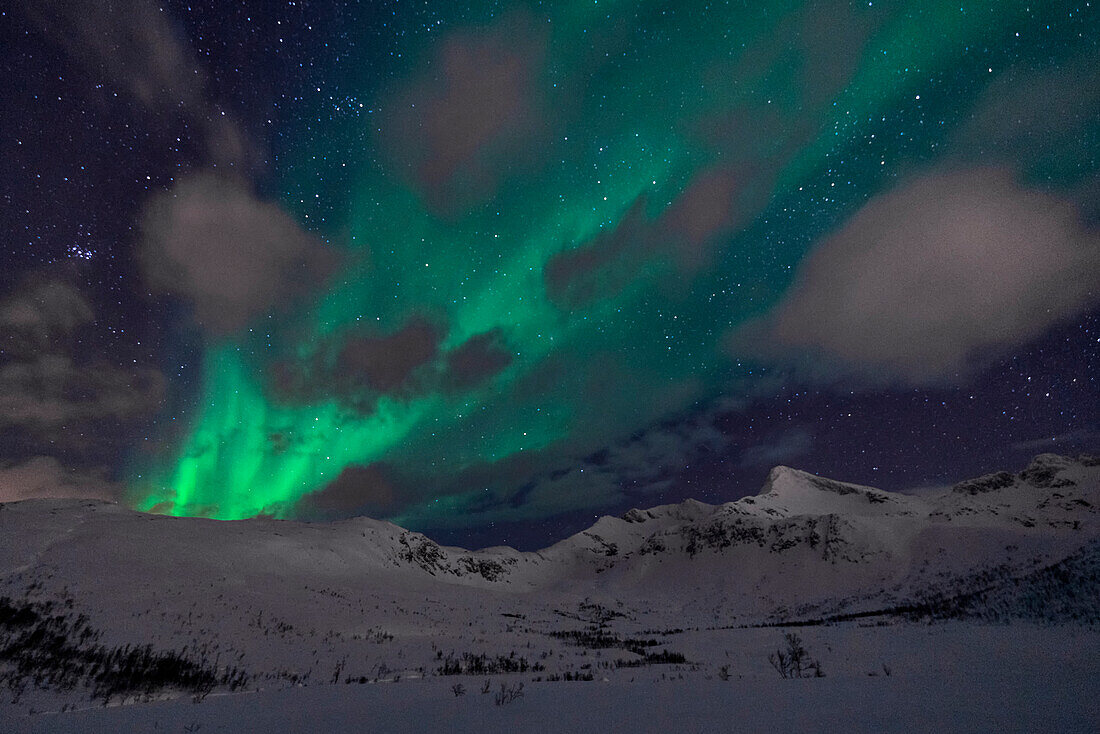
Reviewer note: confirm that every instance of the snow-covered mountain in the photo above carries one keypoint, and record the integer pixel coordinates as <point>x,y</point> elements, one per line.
<point>368,599</point>
<point>802,539</point>
<point>800,535</point>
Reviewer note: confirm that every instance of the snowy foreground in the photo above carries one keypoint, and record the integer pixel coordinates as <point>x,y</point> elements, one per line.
<point>973,609</point>
<point>949,678</point>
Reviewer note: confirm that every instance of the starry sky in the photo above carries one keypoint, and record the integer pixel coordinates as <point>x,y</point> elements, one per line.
<point>493,269</point>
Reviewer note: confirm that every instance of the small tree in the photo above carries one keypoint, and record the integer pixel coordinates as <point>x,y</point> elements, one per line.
<point>795,662</point>
<point>339,669</point>
<point>507,694</point>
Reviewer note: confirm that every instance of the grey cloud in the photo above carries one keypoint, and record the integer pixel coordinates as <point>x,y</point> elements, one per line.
<point>134,45</point>
<point>471,115</point>
<point>714,203</point>
<point>358,490</point>
<point>476,360</point>
<point>930,278</point>
<point>128,41</point>
<point>387,363</point>
<point>56,400</point>
<point>40,313</point>
<point>53,392</point>
<point>1081,439</point>
<point>44,476</point>
<point>1026,115</point>
<point>233,255</point>
<point>780,449</point>
<point>1043,122</point>
<point>44,386</point>
<point>601,267</point>
<point>358,367</point>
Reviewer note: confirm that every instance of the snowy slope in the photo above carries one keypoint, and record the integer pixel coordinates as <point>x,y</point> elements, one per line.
<point>799,531</point>
<point>366,600</point>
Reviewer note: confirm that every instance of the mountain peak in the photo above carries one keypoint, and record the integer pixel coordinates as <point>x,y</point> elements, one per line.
<point>784,479</point>
<point>799,492</point>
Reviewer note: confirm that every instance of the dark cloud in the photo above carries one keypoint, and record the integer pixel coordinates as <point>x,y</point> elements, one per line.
<point>359,490</point>
<point>134,45</point>
<point>1078,440</point>
<point>1042,122</point>
<point>472,115</point>
<point>715,203</point>
<point>829,41</point>
<point>1026,115</point>
<point>131,42</point>
<point>387,363</point>
<point>709,207</point>
<point>210,239</point>
<point>44,476</point>
<point>601,267</point>
<point>299,380</point>
<point>657,460</point>
<point>476,360</point>
<point>45,384</point>
<point>233,255</point>
<point>53,392</point>
<point>40,316</point>
<point>942,272</point>
<point>782,448</point>
<point>360,366</point>
<point>64,409</point>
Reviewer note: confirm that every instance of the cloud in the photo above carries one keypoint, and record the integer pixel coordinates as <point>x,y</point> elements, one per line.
<point>686,232</point>
<point>830,40</point>
<point>472,115</point>
<point>1025,115</point>
<point>934,276</point>
<point>780,449</point>
<point>129,41</point>
<point>44,476</point>
<point>710,206</point>
<point>360,366</point>
<point>1080,439</point>
<point>53,392</point>
<point>386,363</point>
<point>601,267</point>
<point>210,239</point>
<point>45,385</point>
<point>570,490</point>
<point>232,254</point>
<point>40,314</point>
<point>134,44</point>
<point>476,360</point>
<point>358,490</point>
<point>1042,122</point>
<point>577,489</point>
<point>715,203</point>
<point>56,398</point>
<point>560,479</point>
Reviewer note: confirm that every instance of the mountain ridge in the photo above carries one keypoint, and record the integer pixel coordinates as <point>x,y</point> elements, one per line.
<point>793,508</point>
<point>282,599</point>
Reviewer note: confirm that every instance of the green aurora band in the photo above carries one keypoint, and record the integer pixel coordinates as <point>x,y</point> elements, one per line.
<point>624,89</point>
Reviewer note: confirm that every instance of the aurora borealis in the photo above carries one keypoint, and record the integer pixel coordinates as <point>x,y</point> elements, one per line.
<point>429,261</point>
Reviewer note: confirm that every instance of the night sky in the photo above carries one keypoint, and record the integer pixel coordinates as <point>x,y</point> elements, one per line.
<point>491,270</point>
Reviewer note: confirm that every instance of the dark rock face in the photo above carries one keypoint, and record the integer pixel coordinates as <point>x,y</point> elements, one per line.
<point>987,483</point>
<point>1044,469</point>
<point>430,557</point>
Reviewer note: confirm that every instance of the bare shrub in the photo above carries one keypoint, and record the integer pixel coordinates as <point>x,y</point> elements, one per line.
<point>795,662</point>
